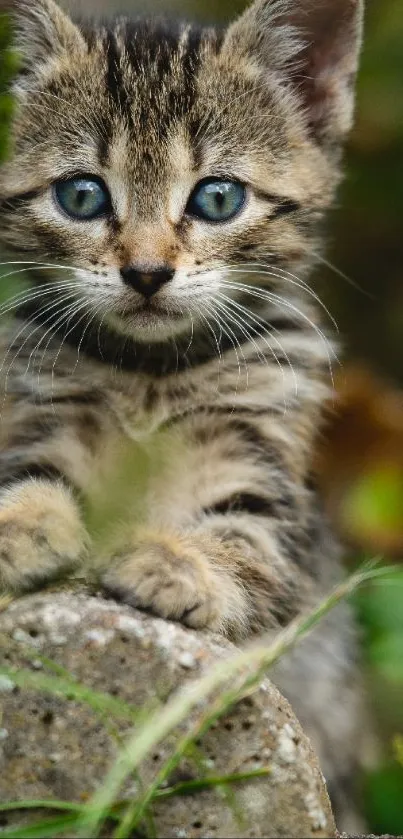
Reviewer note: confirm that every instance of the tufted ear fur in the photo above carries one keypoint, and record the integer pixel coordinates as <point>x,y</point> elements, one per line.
<point>42,32</point>
<point>315,45</point>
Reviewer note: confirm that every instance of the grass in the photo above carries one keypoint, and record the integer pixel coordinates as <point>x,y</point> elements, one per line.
<point>210,696</point>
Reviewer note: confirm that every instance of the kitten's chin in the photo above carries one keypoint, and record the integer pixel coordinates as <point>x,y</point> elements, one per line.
<point>147,325</point>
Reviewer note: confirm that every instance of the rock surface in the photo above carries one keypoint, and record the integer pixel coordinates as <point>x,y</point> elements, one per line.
<point>55,747</point>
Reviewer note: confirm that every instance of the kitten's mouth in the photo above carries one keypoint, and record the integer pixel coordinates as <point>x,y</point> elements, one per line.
<point>150,309</point>
<point>149,320</point>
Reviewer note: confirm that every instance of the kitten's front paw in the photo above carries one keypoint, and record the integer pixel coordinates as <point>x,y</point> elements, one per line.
<point>41,535</point>
<point>172,579</point>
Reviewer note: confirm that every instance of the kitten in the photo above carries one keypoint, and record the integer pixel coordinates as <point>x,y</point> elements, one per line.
<point>165,193</point>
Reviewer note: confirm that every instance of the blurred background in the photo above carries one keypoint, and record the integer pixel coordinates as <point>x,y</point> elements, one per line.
<point>360,463</point>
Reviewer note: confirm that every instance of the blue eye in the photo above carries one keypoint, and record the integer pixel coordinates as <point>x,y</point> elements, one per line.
<point>216,200</point>
<point>84,198</point>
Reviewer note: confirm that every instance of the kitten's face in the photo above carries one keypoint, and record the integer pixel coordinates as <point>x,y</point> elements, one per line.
<point>158,165</point>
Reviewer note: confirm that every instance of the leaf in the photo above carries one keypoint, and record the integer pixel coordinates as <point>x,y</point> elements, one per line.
<point>40,804</point>
<point>42,829</point>
<point>192,787</point>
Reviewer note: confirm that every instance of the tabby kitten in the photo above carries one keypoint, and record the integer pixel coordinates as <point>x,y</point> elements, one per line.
<point>164,195</point>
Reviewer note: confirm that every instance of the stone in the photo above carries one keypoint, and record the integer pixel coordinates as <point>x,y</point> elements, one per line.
<point>51,746</point>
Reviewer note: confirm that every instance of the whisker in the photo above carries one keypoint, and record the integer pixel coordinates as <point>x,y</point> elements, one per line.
<point>19,262</point>
<point>341,274</point>
<point>89,322</point>
<point>59,318</point>
<point>268,296</point>
<point>63,341</point>
<point>31,295</point>
<point>53,305</point>
<point>245,329</point>
<point>228,105</point>
<point>99,335</point>
<point>73,312</point>
<point>226,330</point>
<point>242,326</point>
<point>50,331</point>
<point>211,330</point>
<point>216,342</point>
<point>66,315</point>
<point>43,266</point>
<point>269,330</point>
<point>32,332</point>
<point>292,279</point>
<point>49,308</point>
<point>190,316</point>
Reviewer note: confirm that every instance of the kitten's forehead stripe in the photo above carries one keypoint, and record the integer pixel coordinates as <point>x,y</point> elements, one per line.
<point>114,78</point>
<point>150,80</point>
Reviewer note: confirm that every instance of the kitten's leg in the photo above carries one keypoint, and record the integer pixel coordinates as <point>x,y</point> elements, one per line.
<point>216,576</point>
<point>48,449</point>
<point>41,534</point>
<point>178,576</point>
<point>244,562</point>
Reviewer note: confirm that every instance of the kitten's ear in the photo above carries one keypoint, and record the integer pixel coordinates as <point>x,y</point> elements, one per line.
<point>42,31</point>
<point>315,45</point>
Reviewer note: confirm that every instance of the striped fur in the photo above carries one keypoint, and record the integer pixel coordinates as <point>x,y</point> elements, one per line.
<point>230,359</point>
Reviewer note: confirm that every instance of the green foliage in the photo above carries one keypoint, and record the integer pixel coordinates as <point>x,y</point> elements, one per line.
<point>381,613</point>
<point>366,241</point>
<point>375,500</point>
<point>383,791</point>
<point>8,67</point>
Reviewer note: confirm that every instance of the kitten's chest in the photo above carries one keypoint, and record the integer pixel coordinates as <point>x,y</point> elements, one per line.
<point>144,406</point>
<point>138,406</point>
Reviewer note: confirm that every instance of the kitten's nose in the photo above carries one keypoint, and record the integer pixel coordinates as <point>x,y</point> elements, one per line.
<point>147,279</point>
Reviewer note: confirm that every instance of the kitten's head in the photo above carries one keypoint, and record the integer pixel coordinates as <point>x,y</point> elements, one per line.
<point>167,165</point>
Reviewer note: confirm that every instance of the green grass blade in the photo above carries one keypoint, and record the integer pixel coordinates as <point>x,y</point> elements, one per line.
<point>68,688</point>
<point>40,804</point>
<point>192,787</point>
<point>43,829</point>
